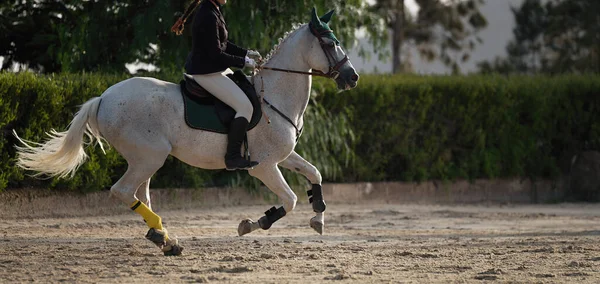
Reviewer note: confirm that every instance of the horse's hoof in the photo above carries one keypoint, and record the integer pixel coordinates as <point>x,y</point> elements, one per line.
<point>245,227</point>
<point>174,251</point>
<point>172,248</point>
<point>317,225</point>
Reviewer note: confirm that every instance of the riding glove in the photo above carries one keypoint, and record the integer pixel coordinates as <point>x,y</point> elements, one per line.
<point>249,62</point>
<point>254,54</point>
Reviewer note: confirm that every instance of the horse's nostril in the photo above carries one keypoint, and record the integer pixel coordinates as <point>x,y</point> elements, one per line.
<point>354,77</point>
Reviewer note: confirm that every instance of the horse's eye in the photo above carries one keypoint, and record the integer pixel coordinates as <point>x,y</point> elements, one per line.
<point>332,45</point>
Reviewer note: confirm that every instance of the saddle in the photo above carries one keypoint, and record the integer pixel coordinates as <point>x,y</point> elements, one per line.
<point>204,111</point>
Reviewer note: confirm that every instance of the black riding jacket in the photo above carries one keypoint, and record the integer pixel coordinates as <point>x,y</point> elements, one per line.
<point>211,51</point>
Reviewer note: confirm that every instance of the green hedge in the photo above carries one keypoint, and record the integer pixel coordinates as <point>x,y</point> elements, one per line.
<point>408,128</point>
<point>415,128</point>
<point>32,105</point>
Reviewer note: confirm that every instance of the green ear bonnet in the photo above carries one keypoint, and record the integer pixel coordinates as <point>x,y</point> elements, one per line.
<point>319,26</point>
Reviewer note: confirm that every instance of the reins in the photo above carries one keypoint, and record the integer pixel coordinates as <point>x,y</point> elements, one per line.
<point>267,103</point>
<point>314,73</point>
<point>332,74</point>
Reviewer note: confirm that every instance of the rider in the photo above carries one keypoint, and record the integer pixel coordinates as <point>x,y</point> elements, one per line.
<point>208,63</point>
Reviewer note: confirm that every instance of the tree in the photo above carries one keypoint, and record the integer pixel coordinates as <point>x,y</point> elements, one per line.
<point>528,46</point>
<point>558,36</point>
<point>573,36</point>
<point>74,35</point>
<point>527,50</point>
<point>79,35</point>
<point>27,33</point>
<point>442,30</point>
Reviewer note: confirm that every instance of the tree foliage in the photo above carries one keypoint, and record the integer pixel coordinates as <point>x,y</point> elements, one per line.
<point>557,36</point>
<point>444,30</point>
<point>83,35</point>
<point>80,35</point>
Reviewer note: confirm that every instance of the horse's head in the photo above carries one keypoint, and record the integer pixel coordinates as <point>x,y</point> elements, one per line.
<point>327,55</point>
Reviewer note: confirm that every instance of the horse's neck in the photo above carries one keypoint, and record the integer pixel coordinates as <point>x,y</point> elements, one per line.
<point>288,92</point>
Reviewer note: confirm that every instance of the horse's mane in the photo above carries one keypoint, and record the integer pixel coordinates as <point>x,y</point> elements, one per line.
<point>295,27</point>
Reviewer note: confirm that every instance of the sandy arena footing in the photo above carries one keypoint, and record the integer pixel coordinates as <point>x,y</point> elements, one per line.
<point>374,243</point>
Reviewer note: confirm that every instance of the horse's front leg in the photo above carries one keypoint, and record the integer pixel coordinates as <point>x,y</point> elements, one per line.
<point>271,176</point>
<point>315,195</point>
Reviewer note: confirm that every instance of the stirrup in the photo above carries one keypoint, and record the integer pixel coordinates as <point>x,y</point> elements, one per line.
<point>240,164</point>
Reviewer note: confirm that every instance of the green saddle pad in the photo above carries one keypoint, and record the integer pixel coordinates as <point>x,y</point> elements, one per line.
<point>213,115</point>
<point>200,115</point>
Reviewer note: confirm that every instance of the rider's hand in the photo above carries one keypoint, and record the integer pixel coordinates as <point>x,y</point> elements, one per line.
<point>249,62</point>
<point>254,54</point>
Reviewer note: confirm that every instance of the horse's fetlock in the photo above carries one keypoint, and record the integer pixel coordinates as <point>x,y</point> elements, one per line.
<point>315,197</point>
<point>158,237</point>
<point>319,206</point>
<point>264,223</point>
<point>290,204</point>
<point>271,216</point>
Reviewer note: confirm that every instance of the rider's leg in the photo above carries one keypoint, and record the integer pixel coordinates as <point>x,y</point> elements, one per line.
<point>228,92</point>
<point>235,139</point>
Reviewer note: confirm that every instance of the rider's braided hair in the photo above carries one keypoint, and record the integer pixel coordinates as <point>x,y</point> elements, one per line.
<point>177,28</point>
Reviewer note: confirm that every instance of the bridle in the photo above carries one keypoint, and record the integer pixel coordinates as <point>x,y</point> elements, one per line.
<point>334,68</point>
<point>333,73</point>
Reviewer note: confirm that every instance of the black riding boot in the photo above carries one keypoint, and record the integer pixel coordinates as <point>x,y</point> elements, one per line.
<point>233,158</point>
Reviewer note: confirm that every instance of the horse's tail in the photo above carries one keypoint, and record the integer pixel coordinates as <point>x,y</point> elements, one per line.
<point>62,154</point>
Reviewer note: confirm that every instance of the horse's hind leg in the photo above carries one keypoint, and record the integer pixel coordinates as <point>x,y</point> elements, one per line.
<point>271,176</point>
<point>315,195</point>
<point>140,169</point>
<point>143,193</point>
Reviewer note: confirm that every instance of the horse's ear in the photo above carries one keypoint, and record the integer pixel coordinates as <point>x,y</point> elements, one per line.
<point>314,17</point>
<point>327,17</point>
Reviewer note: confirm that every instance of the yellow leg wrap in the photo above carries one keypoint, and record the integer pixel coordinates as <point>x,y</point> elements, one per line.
<point>152,220</point>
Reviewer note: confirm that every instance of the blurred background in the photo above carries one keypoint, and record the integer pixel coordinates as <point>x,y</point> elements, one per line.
<point>450,89</point>
<point>424,37</point>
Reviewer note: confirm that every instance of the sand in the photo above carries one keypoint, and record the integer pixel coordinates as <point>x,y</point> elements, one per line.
<point>362,244</point>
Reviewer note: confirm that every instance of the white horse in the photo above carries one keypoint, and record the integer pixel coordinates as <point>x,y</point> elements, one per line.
<point>142,118</point>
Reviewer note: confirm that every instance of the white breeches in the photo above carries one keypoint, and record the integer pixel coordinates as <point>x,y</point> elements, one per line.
<point>227,91</point>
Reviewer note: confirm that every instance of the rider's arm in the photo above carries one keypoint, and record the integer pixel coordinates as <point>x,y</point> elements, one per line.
<point>213,45</point>
<point>235,50</point>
